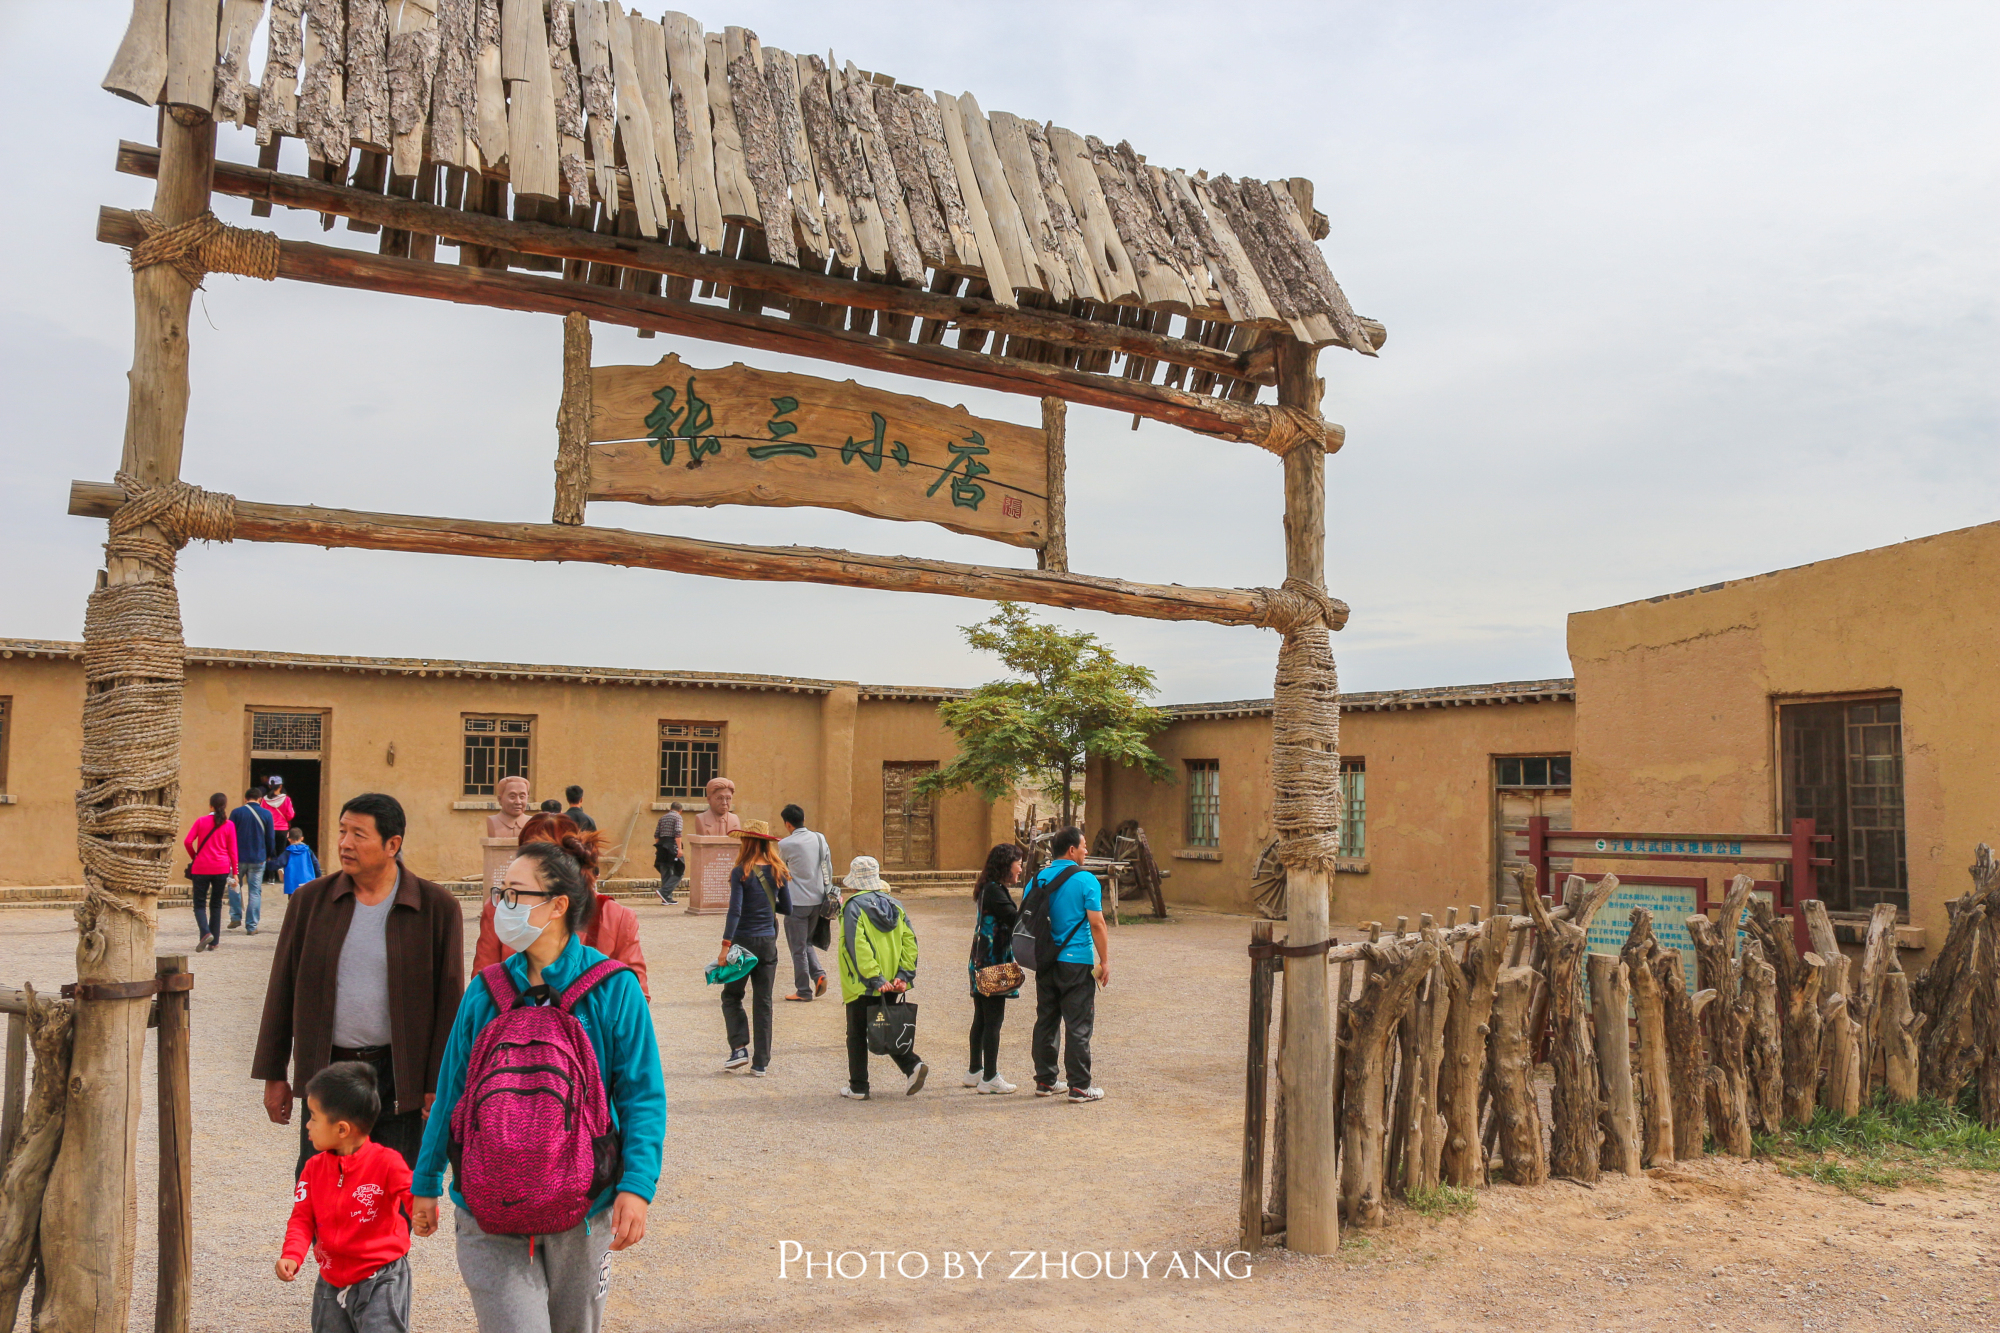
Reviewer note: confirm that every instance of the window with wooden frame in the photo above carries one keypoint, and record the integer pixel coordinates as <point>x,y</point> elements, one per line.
<point>496,748</point>
<point>1353,809</point>
<point>1547,770</point>
<point>1204,807</point>
<point>6,735</point>
<point>1842,763</point>
<point>690,755</point>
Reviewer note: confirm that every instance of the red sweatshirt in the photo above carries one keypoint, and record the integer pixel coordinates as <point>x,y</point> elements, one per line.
<point>353,1212</point>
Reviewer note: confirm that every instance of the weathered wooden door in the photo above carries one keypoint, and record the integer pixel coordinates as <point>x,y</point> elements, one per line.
<point>909,821</point>
<point>1523,788</point>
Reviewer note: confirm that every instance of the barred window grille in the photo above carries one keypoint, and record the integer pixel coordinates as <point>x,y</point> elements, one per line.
<point>690,756</point>
<point>495,748</point>
<point>1204,812</point>
<point>6,734</point>
<point>1533,771</point>
<point>285,733</point>
<point>1353,808</point>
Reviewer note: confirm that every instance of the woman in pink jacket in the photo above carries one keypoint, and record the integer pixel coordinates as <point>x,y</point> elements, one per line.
<point>211,843</point>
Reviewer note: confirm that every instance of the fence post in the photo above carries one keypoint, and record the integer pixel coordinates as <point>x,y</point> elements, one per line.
<point>172,1298</point>
<point>1256,1081</point>
<point>15,1083</point>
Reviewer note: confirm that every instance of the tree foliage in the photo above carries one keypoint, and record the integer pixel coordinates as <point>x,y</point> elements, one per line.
<point>1067,700</point>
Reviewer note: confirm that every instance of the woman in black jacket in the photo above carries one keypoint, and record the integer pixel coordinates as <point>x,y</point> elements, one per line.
<point>992,943</point>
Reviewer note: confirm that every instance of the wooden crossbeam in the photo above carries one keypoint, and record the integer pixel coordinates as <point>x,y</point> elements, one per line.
<point>334,267</point>
<point>307,525</point>
<point>537,238</point>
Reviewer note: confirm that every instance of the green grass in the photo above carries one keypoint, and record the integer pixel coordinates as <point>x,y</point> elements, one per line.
<point>1441,1201</point>
<point>1883,1148</point>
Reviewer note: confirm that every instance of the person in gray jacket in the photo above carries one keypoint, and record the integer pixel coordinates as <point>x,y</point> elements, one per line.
<point>808,859</point>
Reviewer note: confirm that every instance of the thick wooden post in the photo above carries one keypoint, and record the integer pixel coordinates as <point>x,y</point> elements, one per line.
<point>176,1273</point>
<point>1305,745</point>
<point>1256,1086</point>
<point>131,762</point>
<point>1054,554</point>
<point>573,422</point>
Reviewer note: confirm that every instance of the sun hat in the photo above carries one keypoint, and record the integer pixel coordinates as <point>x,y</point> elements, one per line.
<point>864,875</point>
<point>754,828</point>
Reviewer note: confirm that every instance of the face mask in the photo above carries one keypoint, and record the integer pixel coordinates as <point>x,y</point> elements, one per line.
<point>512,927</point>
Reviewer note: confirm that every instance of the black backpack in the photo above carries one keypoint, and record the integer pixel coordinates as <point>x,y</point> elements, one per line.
<point>1035,946</point>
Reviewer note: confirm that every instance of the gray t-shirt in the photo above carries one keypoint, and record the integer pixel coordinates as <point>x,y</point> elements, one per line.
<point>361,990</point>
<point>805,859</point>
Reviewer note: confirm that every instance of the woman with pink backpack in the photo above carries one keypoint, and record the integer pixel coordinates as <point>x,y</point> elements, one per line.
<point>551,1109</point>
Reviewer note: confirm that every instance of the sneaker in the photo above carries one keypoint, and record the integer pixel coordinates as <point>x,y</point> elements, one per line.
<point>1051,1089</point>
<point>819,984</point>
<point>917,1077</point>
<point>664,898</point>
<point>207,942</point>
<point>852,1095</point>
<point>251,931</point>
<point>737,1058</point>
<point>995,1084</point>
<point>1077,1095</point>
<point>972,1078</point>
<point>759,1073</point>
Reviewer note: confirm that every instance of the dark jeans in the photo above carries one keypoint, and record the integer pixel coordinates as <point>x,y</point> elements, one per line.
<point>670,869</point>
<point>1066,997</point>
<point>761,980</point>
<point>857,1044</point>
<point>208,890</point>
<point>404,1133</point>
<point>988,1013</point>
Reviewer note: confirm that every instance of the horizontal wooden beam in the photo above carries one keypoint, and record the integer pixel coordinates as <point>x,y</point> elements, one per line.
<point>307,525</point>
<point>558,242</point>
<point>334,267</point>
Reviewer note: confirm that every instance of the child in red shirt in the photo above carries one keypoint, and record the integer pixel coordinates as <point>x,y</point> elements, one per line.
<point>352,1209</point>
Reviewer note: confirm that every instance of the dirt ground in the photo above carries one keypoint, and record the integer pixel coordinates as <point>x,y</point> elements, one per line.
<point>1149,1174</point>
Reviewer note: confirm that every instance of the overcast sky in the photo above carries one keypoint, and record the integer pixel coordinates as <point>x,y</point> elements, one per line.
<point>1675,293</point>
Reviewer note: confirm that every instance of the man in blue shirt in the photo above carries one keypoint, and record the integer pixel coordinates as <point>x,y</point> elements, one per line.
<point>255,843</point>
<point>1066,994</point>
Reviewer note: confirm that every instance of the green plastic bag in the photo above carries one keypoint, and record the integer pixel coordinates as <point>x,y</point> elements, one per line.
<point>740,963</point>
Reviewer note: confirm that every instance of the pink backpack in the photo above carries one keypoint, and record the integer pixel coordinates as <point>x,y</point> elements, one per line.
<point>531,1136</point>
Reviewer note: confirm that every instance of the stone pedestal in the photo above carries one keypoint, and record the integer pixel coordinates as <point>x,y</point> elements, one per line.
<point>497,854</point>
<point>709,861</point>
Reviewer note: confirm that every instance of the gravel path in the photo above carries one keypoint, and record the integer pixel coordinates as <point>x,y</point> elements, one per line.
<point>1152,1170</point>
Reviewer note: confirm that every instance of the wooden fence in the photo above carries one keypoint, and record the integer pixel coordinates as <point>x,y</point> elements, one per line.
<point>1437,1032</point>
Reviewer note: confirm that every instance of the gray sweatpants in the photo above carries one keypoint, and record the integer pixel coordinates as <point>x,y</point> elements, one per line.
<point>378,1303</point>
<point>805,959</point>
<point>560,1290</point>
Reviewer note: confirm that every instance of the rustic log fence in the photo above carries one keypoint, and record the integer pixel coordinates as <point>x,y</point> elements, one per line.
<point>1437,1031</point>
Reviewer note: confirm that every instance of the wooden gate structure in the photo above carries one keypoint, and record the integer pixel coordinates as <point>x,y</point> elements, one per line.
<point>598,165</point>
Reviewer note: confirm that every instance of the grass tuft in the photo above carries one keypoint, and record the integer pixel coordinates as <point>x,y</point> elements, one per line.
<point>1441,1201</point>
<point>1884,1148</point>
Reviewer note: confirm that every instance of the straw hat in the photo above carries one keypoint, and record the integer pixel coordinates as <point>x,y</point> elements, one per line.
<point>754,828</point>
<point>864,875</point>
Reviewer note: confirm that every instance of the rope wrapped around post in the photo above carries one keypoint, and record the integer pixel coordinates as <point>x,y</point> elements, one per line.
<point>134,662</point>
<point>1305,750</point>
<point>204,245</point>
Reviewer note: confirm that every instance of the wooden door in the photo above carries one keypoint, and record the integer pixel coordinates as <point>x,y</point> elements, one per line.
<point>909,821</point>
<point>1512,808</point>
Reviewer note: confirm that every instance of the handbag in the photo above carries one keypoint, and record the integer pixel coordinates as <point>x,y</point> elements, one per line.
<point>998,979</point>
<point>187,871</point>
<point>829,893</point>
<point>822,932</point>
<point>892,1028</point>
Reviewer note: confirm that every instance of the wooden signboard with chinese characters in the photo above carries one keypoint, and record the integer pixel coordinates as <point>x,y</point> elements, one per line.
<point>673,434</point>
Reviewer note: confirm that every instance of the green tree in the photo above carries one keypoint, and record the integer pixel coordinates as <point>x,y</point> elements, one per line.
<point>1068,699</point>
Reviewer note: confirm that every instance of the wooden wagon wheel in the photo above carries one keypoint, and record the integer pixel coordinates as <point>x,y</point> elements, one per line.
<point>1268,882</point>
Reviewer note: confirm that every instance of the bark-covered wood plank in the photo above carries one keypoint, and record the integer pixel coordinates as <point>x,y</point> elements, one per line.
<point>829,147</point>
<point>906,153</point>
<point>368,74</point>
<point>1102,245</point>
<point>412,62</point>
<point>757,135</point>
<point>1253,304</point>
<point>781,82</point>
<point>635,126</point>
<point>993,266</point>
<point>961,240</point>
<point>878,204</point>
<point>1333,304</point>
<point>489,130</point>
<point>278,88</point>
<point>845,158</point>
<point>322,84</point>
<point>1063,219</point>
<point>567,80</point>
<point>649,50</point>
<point>232,59</point>
<point>1002,212</point>
<point>687,63</point>
<point>733,190</point>
<point>1150,252</point>
<point>1024,182</point>
<point>1190,255</point>
<point>592,22</point>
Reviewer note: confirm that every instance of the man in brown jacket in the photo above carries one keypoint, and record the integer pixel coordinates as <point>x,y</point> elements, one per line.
<point>370,966</point>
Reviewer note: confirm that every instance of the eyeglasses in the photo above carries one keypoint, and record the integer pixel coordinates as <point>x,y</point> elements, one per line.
<point>511,898</point>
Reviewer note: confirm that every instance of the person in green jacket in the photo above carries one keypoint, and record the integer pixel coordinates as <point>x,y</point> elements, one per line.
<point>878,958</point>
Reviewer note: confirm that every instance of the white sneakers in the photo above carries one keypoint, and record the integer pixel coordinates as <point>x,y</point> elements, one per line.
<point>1055,1089</point>
<point>917,1077</point>
<point>851,1093</point>
<point>994,1084</point>
<point>972,1078</point>
<point>1077,1095</point>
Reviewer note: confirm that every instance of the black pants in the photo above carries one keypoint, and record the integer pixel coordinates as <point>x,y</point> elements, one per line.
<point>988,1013</point>
<point>208,891</point>
<point>404,1133</point>
<point>761,981</point>
<point>1065,997</point>
<point>670,868</point>
<point>857,1044</point>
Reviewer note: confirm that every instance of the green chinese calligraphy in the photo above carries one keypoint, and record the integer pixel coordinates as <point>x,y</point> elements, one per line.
<point>689,421</point>
<point>870,452</point>
<point>965,493</point>
<point>780,428</point>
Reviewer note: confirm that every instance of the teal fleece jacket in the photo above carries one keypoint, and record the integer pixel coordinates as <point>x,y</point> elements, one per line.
<point>620,1028</point>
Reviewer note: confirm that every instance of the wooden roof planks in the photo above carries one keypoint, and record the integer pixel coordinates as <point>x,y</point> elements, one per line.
<point>757,128</point>
<point>649,52</point>
<point>687,64</point>
<point>781,80</point>
<point>635,126</point>
<point>733,189</point>
<point>1003,214</point>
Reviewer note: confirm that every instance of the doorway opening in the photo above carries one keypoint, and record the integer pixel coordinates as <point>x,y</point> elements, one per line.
<point>291,744</point>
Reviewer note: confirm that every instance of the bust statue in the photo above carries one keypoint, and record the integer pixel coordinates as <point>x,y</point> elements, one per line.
<point>512,794</point>
<point>718,820</point>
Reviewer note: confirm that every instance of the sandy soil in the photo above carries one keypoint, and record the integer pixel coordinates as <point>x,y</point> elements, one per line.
<point>1151,1171</point>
